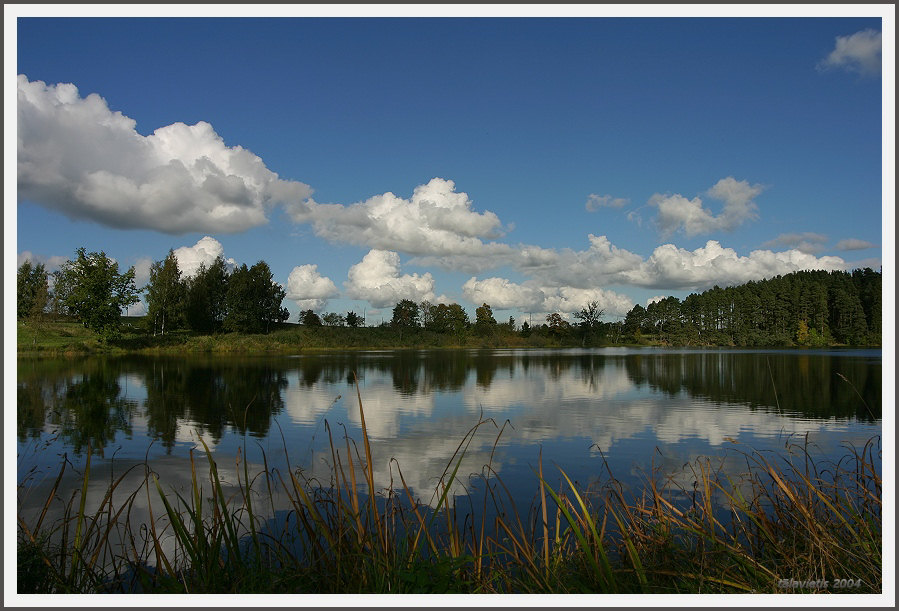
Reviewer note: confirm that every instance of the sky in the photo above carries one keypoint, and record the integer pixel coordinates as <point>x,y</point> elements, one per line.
<point>532,163</point>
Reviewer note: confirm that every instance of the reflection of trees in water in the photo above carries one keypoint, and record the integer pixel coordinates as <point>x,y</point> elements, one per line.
<point>411,372</point>
<point>84,397</point>
<point>212,396</point>
<point>590,367</point>
<point>804,383</point>
<point>85,404</point>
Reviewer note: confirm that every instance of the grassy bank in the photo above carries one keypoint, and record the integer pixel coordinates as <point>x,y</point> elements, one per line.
<point>69,338</point>
<point>62,338</point>
<point>784,517</point>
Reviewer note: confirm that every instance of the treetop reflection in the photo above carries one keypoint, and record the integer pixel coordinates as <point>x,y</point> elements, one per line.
<point>86,399</point>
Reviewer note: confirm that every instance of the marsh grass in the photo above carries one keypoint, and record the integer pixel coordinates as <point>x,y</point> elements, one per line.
<point>786,516</point>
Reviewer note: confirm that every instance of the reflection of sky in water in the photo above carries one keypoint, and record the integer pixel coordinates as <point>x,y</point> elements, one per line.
<point>577,411</point>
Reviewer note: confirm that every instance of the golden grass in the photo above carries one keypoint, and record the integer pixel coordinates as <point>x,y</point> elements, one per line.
<point>786,516</point>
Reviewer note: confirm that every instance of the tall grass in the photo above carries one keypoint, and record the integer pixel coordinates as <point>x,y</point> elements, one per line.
<point>787,516</point>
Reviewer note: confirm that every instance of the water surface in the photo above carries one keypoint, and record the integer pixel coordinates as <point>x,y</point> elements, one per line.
<point>590,412</point>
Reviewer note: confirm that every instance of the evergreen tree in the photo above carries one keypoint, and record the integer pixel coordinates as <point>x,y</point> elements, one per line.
<point>485,323</point>
<point>808,308</point>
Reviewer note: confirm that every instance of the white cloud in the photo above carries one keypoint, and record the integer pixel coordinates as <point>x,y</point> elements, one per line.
<point>377,279</point>
<point>204,252</point>
<point>668,267</point>
<point>655,299</point>
<point>807,242</point>
<point>51,264</point>
<point>595,202</point>
<point>569,299</point>
<point>142,271</point>
<point>137,309</point>
<point>437,220</point>
<point>677,213</point>
<point>854,244</point>
<point>502,294</point>
<point>310,289</point>
<point>676,268</point>
<point>860,52</point>
<point>77,156</point>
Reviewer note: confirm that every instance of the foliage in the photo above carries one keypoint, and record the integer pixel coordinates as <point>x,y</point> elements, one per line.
<point>333,319</point>
<point>354,320</point>
<point>449,319</point>
<point>590,317</point>
<point>310,319</point>
<point>405,314</point>
<point>91,289</point>
<point>166,295</point>
<point>485,323</point>
<point>558,326</point>
<point>32,290</point>
<point>807,308</point>
<point>783,517</point>
<point>206,293</point>
<point>253,300</point>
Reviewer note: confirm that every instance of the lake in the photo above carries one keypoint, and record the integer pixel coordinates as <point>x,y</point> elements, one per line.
<point>623,411</point>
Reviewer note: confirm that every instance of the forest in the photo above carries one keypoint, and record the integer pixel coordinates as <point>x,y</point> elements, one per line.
<point>806,308</point>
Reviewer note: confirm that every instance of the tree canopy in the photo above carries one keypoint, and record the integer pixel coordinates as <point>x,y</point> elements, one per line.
<point>253,300</point>
<point>806,308</point>
<point>91,289</point>
<point>32,290</point>
<point>166,295</point>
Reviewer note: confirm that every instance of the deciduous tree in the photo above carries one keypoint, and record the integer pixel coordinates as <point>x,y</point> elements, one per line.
<point>166,295</point>
<point>91,289</point>
<point>32,290</point>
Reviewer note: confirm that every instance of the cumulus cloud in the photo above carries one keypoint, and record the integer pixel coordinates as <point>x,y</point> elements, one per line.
<point>142,271</point>
<point>377,279</point>
<point>437,220</point>
<point>51,264</point>
<point>310,289</point>
<point>77,156</point>
<point>668,267</point>
<point>854,244</point>
<point>204,252</point>
<point>807,242</point>
<point>673,267</point>
<point>677,213</point>
<point>860,53</point>
<point>569,299</point>
<point>137,309</point>
<point>595,202</point>
<point>503,294</point>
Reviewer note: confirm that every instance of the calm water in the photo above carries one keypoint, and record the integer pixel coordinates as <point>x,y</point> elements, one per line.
<point>632,409</point>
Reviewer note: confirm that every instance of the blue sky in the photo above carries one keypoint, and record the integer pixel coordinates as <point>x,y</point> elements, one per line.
<point>532,163</point>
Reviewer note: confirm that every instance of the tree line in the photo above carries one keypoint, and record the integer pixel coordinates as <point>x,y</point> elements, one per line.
<point>91,289</point>
<point>450,319</point>
<point>806,308</point>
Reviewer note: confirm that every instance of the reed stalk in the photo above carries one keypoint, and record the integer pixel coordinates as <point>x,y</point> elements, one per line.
<point>787,516</point>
